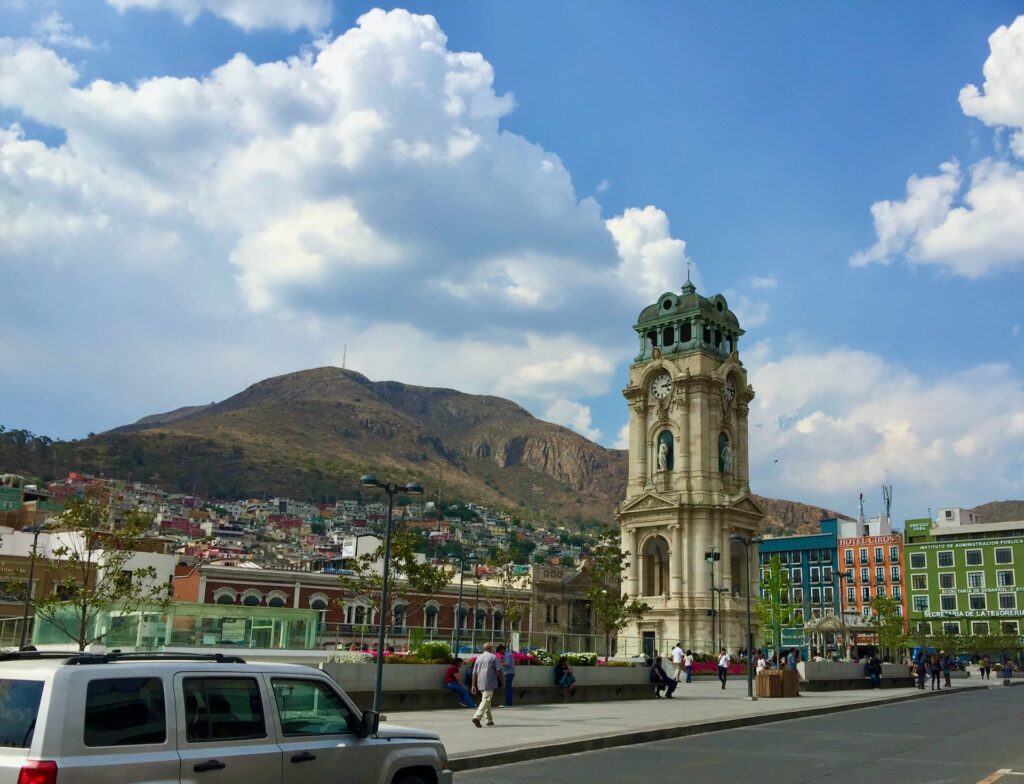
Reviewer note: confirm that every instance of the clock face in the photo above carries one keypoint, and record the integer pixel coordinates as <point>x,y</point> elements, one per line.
<point>661,386</point>
<point>730,391</point>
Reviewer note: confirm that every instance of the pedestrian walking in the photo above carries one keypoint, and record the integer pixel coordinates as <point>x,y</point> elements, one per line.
<point>762,663</point>
<point>922,670</point>
<point>1007,672</point>
<point>453,682</point>
<point>723,666</point>
<point>987,664</point>
<point>688,665</point>
<point>677,661</point>
<point>486,678</point>
<point>564,679</point>
<point>935,668</point>
<point>947,665</point>
<point>508,670</point>
<point>791,659</point>
<point>661,680</point>
<point>873,668</point>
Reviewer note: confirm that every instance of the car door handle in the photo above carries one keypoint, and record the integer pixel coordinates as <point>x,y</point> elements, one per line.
<point>303,757</point>
<point>202,767</point>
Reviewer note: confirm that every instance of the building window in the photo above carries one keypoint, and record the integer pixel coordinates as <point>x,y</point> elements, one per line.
<point>979,628</point>
<point>798,576</point>
<point>865,575</point>
<point>977,601</point>
<point>865,594</point>
<point>894,574</point>
<point>398,614</point>
<point>945,558</point>
<point>973,557</point>
<point>919,582</point>
<point>947,602</point>
<point>1004,555</point>
<point>975,579</point>
<point>794,557</point>
<point>815,612</point>
<point>880,590</point>
<point>827,596</point>
<point>783,558</point>
<point>815,575</point>
<point>879,574</point>
<point>894,554</point>
<point>430,617</point>
<point>951,627</point>
<point>798,595</point>
<point>826,574</point>
<point>920,604</point>
<point>848,558</point>
<point>812,556</point>
<point>798,615</point>
<point>879,552</point>
<point>851,595</point>
<point>947,580</point>
<point>864,556</point>
<point>1009,627</point>
<point>1004,578</point>
<point>924,627</point>
<point>551,613</point>
<point>899,607</point>
<point>815,595</point>
<point>917,561</point>
<point>826,556</point>
<point>1007,601</point>
<point>897,592</point>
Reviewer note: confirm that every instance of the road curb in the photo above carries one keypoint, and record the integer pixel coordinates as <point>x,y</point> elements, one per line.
<point>462,762</point>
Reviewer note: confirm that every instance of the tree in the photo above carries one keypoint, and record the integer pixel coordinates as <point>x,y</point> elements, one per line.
<point>91,567</point>
<point>774,610</point>
<point>411,582</point>
<point>888,625</point>
<point>508,587</point>
<point>612,609</point>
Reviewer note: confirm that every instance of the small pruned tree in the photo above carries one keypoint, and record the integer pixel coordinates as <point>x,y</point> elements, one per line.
<point>412,581</point>
<point>91,566</point>
<point>774,610</point>
<point>508,587</point>
<point>612,609</point>
<point>887,621</point>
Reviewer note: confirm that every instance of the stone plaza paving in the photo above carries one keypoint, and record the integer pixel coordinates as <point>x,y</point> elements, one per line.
<point>534,731</point>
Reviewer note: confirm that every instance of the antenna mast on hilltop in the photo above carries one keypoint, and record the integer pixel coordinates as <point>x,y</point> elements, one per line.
<point>344,356</point>
<point>887,495</point>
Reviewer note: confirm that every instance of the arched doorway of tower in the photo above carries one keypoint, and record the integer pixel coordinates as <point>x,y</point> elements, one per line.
<point>654,558</point>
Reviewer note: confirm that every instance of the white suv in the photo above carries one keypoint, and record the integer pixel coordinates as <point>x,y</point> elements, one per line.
<point>202,719</point>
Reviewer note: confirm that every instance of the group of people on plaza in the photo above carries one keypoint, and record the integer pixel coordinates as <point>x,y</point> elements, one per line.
<point>495,668</point>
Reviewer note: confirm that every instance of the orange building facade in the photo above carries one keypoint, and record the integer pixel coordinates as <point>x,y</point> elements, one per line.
<point>875,568</point>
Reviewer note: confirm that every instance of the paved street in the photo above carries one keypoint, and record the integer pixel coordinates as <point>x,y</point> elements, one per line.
<point>956,739</point>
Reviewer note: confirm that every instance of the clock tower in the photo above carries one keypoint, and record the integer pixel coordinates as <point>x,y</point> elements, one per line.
<point>689,486</point>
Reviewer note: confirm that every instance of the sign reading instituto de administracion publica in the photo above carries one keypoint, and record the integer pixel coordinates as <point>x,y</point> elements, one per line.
<point>689,487</point>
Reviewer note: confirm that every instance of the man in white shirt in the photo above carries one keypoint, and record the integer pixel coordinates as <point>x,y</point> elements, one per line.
<point>677,661</point>
<point>723,666</point>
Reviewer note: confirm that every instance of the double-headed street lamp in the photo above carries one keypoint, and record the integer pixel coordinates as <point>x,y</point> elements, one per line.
<point>35,530</point>
<point>711,556</point>
<point>392,489</point>
<point>750,633</point>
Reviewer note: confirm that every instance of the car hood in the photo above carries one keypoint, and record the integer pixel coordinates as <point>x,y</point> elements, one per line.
<point>393,732</point>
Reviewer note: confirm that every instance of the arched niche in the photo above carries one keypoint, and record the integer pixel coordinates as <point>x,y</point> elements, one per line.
<point>665,451</point>
<point>654,566</point>
<point>726,457</point>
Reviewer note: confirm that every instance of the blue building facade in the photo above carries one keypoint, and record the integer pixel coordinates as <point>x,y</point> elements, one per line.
<point>811,560</point>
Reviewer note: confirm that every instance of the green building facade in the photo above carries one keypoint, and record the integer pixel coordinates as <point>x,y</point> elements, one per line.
<point>965,579</point>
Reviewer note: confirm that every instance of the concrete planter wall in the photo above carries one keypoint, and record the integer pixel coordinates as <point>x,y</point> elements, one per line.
<point>829,676</point>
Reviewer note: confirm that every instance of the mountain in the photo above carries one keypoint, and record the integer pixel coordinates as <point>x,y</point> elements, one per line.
<point>1000,511</point>
<point>311,434</point>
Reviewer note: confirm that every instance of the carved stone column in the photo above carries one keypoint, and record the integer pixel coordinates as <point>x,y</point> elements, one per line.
<point>629,539</point>
<point>675,560</point>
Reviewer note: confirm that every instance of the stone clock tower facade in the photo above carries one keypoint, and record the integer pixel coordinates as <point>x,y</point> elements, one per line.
<point>689,486</point>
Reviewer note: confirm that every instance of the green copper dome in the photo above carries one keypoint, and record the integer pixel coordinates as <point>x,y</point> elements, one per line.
<point>680,323</point>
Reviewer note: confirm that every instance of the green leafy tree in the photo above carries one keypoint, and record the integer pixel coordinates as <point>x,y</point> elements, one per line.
<point>774,610</point>
<point>612,610</point>
<point>508,587</point>
<point>91,563</point>
<point>888,625</point>
<point>412,581</point>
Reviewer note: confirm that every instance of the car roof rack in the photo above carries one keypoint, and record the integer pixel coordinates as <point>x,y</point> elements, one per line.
<point>20,655</point>
<point>115,656</point>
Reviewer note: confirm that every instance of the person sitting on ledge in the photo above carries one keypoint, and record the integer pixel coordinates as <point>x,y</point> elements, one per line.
<point>661,680</point>
<point>453,681</point>
<point>564,679</point>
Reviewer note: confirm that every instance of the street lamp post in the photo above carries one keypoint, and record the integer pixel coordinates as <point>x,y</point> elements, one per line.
<point>476,609</point>
<point>721,620</point>
<point>392,489</point>
<point>711,556</point>
<point>36,530</point>
<point>750,634</point>
<point>840,576</point>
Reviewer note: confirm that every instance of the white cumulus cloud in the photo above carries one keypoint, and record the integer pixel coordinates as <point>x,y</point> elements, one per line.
<point>53,30</point>
<point>572,415</point>
<point>970,228</point>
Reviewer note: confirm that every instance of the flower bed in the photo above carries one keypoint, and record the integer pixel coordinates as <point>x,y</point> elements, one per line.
<point>711,668</point>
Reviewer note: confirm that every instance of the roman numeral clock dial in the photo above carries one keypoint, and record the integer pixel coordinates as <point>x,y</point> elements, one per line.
<point>661,387</point>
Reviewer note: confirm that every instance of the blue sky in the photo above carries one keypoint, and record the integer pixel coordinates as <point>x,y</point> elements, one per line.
<point>198,194</point>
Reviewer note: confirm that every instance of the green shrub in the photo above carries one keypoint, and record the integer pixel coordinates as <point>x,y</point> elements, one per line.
<point>587,659</point>
<point>616,664</point>
<point>434,651</point>
<point>544,657</point>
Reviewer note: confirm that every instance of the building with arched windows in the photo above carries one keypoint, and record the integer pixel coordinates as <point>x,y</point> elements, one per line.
<point>688,488</point>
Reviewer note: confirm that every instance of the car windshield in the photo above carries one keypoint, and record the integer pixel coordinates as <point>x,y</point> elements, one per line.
<point>19,706</point>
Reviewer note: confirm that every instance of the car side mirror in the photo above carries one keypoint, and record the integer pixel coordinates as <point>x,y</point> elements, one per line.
<point>369,724</point>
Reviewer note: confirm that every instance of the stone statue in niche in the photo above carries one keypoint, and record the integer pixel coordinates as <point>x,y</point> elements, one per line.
<point>724,454</point>
<point>665,451</point>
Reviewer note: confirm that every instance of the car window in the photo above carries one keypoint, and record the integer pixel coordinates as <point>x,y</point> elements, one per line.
<point>125,712</point>
<point>311,708</point>
<point>19,707</point>
<point>223,709</point>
